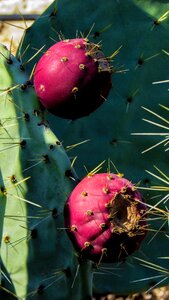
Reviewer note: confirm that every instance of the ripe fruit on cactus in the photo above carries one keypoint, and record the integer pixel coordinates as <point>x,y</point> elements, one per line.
<point>105,217</point>
<point>72,78</point>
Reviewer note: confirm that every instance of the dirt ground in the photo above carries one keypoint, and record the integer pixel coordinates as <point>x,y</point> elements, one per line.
<point>155,294</point>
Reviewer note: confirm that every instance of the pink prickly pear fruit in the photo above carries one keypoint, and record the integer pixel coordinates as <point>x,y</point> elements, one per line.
<point>105,217</point>
<point>73,78</point>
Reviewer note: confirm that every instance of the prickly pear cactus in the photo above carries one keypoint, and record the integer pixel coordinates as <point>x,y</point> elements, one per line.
<point>36,179</point>
<point>140,30</point>
<point>72,78</point>
<point>114,211</point>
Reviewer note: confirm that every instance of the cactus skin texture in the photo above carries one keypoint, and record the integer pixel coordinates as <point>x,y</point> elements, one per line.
<point>141,28</point>
<point>72,78</point>
<point>106,218</point>
<point>36,179</point>
<point>5,281</point>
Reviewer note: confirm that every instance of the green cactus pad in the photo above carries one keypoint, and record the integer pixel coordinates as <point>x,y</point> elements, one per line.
<point>140,30</point>
<point>37,177</point>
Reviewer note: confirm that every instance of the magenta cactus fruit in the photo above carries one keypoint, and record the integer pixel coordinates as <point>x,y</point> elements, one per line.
<point>105,217</point>
<point>72,78</point>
